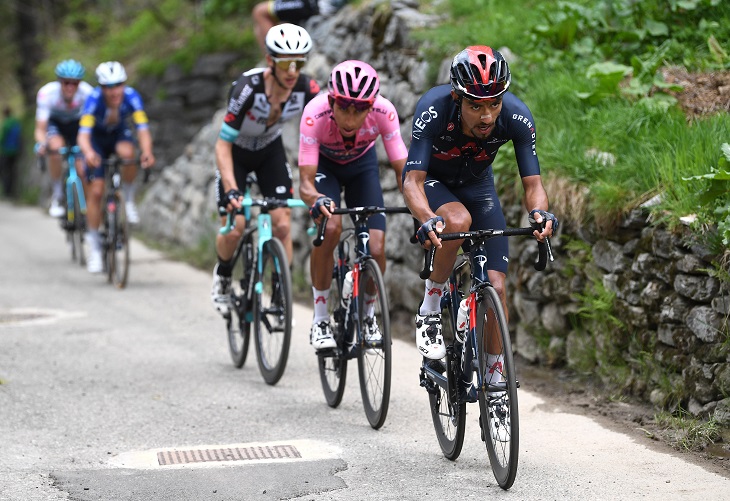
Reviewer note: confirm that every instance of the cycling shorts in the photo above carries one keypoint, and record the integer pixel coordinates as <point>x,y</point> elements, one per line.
<point>293,11</point>
<point>361,180</point>
<point>273,174</point>
<point>480,199</point>
<point>105,144</point>
<point>67,130</point>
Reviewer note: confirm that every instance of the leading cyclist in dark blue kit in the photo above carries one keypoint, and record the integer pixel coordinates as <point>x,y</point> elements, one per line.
<point>448,180</point>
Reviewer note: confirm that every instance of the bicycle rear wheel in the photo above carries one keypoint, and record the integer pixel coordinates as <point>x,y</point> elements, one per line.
<point>78,227</point>
<point>499,415</point>
<point>447,414</point>
<point>374,357</point>
<point>333,363</point>
<point>118,241</point>
<point>238,322</point>
<point>273,312</point>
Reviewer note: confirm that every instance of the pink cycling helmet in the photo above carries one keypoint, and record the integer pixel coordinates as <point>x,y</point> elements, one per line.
<point>354,80</point>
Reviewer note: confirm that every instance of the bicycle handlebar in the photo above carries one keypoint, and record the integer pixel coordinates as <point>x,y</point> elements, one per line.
<point>361,212</point>
<point>266,203</point>
<point>544,250</point>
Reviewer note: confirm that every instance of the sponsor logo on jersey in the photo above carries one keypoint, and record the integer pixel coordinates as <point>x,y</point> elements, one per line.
<point>450,127</point>
<point>237,103</point>
<point>309,121</point>
<point>391,116</point>
<point>230,117</point>
<point>391,135</point>
<point>425,118</point>
<point>307,139</point>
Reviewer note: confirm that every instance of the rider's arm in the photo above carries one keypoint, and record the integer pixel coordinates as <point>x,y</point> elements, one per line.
<point>536,198</point>
<point>397,166</point>
<point>40,134</point>
<point>224,162</point>
<point>145,145</point>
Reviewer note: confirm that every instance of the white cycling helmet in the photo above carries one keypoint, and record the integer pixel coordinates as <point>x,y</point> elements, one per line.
<point>288,40</point>
<point>110,73</point>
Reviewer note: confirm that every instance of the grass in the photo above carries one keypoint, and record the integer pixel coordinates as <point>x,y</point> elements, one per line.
<point>688,433</point>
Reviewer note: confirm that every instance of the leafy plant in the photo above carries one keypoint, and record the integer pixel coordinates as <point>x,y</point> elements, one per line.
<point>689,434</point>
<point>715,196</point>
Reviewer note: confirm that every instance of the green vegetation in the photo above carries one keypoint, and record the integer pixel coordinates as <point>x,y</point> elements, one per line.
<point>687,433</point>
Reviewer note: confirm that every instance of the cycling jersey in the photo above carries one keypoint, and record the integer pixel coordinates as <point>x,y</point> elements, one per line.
<point>249,109</point>
<point>318,133</point>
<point>439,146</point>
<point>50,104</point>
<point>96,117</point>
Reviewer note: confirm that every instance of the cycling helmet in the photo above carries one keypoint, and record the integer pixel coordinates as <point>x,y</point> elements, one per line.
<point>288,40</point>
<point>70,68</point>
<point>110,73</point>
<point>354,80</point>
<point>479,72</point>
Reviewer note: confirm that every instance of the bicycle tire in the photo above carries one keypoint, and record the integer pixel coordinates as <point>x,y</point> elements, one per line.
<point>447,414</point>
<point>499,415</point>
<point>273,312</point>
<point>77,229</point>
<point>238,322</point>
<point>333,364</point>
<point>374,359</point>
<point>118,243</point>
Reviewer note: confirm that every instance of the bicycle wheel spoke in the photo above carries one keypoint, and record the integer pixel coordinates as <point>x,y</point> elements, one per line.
<point>238,324</point>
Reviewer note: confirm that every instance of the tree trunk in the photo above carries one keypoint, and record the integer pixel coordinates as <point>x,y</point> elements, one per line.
<point>30,50</point>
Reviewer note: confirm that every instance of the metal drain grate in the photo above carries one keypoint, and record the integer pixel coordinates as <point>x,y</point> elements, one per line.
<point>228,454</point>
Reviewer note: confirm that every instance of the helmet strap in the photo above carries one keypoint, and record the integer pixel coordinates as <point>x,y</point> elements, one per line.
<point>276,79</point>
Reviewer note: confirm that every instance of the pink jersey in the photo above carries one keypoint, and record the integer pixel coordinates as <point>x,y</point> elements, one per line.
<point>318,133</point>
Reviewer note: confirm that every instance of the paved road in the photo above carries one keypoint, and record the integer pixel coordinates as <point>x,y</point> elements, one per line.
<point>98,384</point>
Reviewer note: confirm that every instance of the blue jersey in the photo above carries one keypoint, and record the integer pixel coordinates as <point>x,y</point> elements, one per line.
<point>96,117</point>
<point>440,148</point>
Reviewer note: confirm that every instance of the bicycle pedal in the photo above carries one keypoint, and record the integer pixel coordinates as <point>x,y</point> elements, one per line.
<point>435,365</point>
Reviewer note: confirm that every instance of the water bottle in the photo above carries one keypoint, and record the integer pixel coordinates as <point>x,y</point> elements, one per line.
<point>347,289</point>
<point>462,320</point>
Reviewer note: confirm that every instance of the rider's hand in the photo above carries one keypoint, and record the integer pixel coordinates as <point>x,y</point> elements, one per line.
<point>231,200</point>
<point>545,223</point>
<point>147,160</point>
<point>428,231</point>
<point>322,207</point>
<point>92,158</point>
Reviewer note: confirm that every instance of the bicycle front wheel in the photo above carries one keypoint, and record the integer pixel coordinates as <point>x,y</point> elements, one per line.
<point>374,357</point>
<point>77,229</point>
<point>273,312</point>
<point>447,414</point>
<point>238,323</point>
<point>117,241</point>
<point>499,416</point>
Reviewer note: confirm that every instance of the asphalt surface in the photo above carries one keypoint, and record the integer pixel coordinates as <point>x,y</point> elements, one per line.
<point>96,384</point>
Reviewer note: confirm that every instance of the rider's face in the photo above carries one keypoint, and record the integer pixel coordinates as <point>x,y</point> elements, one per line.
<point>478,118</point>
<point>113,94</point>
<point>69,88</point>
<point>286,69</point>
<point>348,120</point>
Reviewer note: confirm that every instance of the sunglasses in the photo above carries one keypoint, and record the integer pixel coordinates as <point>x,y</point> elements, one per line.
<point>72,83</point>
<point>289,64</point>
<point>111,86</point>
<point>486,91</point>
<point>359,104</point>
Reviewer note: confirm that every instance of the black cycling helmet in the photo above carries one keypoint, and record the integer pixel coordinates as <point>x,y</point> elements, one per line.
<point>479,72</point>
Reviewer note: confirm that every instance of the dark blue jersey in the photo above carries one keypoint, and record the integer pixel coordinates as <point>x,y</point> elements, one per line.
<point>439,146</point>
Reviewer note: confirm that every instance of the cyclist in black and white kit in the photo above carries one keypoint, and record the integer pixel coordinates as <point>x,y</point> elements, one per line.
<point>448,180</point>
<point>260,101</point>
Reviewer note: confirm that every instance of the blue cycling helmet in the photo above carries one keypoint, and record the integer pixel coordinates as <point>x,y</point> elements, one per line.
<point>70,68</point>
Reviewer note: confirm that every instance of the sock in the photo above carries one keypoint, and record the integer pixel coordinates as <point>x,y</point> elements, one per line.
<point>495,363</point>
<point>320,305</point>
<point>57,190</point>
<point>370,302</point>
<point>92,237</point>
<point>224,268</point>
<point>432,297</point>
<point>128,189</point>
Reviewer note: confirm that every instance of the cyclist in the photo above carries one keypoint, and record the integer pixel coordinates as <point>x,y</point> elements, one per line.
<point>269,13</point>
<point>260,102</point>
<point>336,150</point>
<point>448,181</point>
<point>104,130</point>
<point>58,109</point>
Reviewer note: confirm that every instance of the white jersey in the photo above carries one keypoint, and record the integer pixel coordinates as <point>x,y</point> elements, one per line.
<point>51,105</point>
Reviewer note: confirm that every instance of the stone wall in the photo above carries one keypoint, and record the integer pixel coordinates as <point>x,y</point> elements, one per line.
<point>639,308</point>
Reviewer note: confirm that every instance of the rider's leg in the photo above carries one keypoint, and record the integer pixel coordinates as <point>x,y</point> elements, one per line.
<point>55,142</point>
<point>321,265</point>
<point>281,223</point>
<point>125,151</point>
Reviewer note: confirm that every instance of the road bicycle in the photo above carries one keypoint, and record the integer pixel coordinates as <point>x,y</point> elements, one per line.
<point>261,289</point>
<point>479,365</point>
<point>74,224</point>
<point>358,306</point>
<point>114,232</point>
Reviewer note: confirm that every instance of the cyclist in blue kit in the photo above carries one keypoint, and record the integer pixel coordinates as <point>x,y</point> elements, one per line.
<point>448,180</point>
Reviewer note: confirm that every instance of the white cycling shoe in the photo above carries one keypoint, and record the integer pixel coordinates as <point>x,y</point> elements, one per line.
<point>429,340</point>
<point>321,336</point>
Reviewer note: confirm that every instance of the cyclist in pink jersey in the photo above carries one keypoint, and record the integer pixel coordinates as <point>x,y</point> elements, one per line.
<point>337,137</point>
